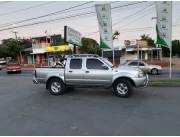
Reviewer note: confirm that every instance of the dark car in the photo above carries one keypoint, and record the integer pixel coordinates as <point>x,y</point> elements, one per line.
<point>13,66</point>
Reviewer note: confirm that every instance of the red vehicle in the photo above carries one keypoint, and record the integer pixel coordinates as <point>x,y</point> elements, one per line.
<point>13,66</point>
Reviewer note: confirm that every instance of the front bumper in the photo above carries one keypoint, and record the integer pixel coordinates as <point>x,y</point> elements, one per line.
<point>141,82</point>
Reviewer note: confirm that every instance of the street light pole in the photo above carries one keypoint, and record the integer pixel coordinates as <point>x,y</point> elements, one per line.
<point>15,33</point>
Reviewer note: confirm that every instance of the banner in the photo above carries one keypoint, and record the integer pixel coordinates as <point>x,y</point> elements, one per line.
<point>105,25</point>
<point>164,23</point>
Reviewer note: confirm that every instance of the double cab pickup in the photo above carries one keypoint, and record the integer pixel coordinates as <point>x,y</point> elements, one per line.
<point>86,70</point>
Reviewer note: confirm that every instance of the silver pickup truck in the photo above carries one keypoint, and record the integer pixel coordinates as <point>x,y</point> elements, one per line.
<point>90,71</point>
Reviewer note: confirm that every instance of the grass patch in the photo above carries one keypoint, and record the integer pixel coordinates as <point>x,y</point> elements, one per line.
<point>164,81</point>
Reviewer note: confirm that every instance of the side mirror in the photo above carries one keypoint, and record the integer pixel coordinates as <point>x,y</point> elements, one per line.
<point>105,67</point>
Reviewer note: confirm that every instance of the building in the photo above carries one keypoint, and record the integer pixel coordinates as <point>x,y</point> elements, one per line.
<point>139,49</point>
<point>41,48</point>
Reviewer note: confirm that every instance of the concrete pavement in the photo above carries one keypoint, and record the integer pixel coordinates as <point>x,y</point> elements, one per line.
<point>28,109</point>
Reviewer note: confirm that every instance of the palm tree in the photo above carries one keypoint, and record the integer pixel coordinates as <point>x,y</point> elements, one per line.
<point>116,34</point>
<point>145,37</point>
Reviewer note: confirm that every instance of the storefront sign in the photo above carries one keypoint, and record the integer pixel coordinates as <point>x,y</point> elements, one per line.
<point>72,36</point>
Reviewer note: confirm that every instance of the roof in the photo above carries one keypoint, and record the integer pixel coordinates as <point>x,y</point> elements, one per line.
<point>39,37</point>
<point>28,49</point>
<point>83,55</point>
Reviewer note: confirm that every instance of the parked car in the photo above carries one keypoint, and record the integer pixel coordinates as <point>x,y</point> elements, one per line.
<point>13,66</point>
<point>90,71</point>
<point>147,68</point>
<point>2,64</point>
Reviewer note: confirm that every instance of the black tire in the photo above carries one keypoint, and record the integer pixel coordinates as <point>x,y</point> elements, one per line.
<point>56,86</point>
<point>125,85</point>
<point>154,71</point>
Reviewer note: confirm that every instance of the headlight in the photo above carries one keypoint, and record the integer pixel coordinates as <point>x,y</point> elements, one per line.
<point>140,73</point>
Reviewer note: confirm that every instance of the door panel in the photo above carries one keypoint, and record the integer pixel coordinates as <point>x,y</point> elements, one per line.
<point>74,71</point>
<point>95,74</point>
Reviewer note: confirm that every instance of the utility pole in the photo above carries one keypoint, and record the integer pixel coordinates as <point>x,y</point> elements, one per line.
<point>15,33</point>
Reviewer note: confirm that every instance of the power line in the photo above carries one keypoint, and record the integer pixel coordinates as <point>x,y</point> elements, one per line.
<point>5,2</point>
<point>128,16</point>
<point>130,30</point>
<point>28,8</point>
<point>137,19</point>
<point>72,16</point>
<point>54,13</point>
<point>123,19</point>
<point>49,14</point>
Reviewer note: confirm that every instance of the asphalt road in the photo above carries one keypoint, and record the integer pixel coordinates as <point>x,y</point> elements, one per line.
<point>27,109</point>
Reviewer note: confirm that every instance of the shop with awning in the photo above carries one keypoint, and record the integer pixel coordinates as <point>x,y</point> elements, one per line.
<point>60,48</point>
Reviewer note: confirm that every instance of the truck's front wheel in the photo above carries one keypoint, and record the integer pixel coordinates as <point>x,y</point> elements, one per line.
<point>56,86</point>
<point>122,88</point>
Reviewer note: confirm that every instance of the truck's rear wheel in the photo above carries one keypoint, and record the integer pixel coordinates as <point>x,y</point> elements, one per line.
<point>56,86</point>
<point>122,88</point>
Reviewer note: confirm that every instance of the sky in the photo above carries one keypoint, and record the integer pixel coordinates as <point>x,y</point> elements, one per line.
<point>131,21</point>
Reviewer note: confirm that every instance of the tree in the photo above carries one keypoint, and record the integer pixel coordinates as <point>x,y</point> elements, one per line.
<point>148,39</point>
<point>176,48</point>
<point>90,46</point>
<point>116,34</point>
<point>11,47</point>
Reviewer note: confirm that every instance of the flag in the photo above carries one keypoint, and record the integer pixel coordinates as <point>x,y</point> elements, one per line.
<point>164,23</point>
<point>103,12</point>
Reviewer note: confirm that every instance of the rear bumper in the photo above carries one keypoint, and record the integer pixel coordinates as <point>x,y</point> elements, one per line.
<point>39,81</point>
<point>141,82</point>
<point>14,70</point>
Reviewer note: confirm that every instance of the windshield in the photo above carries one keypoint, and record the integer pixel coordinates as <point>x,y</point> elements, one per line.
<point>107,62</point>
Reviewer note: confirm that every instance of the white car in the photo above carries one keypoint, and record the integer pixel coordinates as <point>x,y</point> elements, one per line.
<point>2,64</point>
<point>147,68</point>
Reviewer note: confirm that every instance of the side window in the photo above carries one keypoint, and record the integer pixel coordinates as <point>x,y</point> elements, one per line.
<point>133,64</point>
<point>141,64</point>
<point>94,64</point>
<point>75,63</point>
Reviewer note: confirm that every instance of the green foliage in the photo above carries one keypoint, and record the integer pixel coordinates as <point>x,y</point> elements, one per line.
<point>148,39</point>
<point>11,47</point>
<point>90,46</point>
<point>165,51</point>
<point>116,34</point>
<point>175,49</point>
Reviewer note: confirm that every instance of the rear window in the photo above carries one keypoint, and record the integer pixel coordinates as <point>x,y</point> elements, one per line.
<point>76,64</point>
